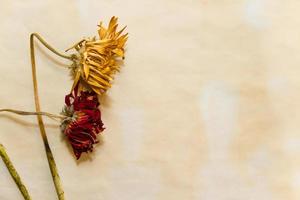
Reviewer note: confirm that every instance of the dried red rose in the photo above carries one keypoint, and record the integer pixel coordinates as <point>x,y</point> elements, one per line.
<point>83,121</point>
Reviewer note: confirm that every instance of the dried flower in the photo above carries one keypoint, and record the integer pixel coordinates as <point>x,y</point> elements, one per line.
<point>98,59</point>
<point>83,121</point>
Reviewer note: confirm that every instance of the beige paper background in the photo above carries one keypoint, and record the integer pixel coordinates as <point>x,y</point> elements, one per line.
<point>206,106</point>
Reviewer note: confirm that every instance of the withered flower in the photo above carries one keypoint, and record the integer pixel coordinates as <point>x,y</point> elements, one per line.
<point>82,122</point>
<point>98,59</point>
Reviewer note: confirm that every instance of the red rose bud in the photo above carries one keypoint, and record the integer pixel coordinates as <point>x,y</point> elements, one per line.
<point>83,121</point>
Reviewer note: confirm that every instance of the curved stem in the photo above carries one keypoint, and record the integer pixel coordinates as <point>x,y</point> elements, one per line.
<point>13,172</point>
<point>21,112</point>
<point>51,161</point>
<point>37,36</point>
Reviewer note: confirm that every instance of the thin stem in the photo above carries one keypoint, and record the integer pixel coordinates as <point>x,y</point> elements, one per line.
<point>37,36</point>
<point>21,112</point>
<point>13,172</point>
<point>51,161</point>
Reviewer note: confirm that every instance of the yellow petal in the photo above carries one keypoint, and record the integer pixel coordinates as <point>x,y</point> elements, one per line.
<point>112,23</point>
<point>119,33</point>
<point>113,31</point>
<point>86,70</point>
<point>94,83</point>
<point>122,40</point>
<point>103,42</point>
<point>102,31</point>
<point>119,52</point>
<point>96,55</point>
<point>76,79</point>
<point>108,78</point>
<point>98,49</point>
<point>97,90</point>
<point>100,80</point>
<point>76,45</point>
<point>93,63</point>
<point>106,70</point>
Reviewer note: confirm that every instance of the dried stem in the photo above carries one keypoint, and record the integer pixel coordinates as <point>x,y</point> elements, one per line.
<point>21,112</point>
<point>13,172</point>
<point>51,161</point>
<point>37,36</point>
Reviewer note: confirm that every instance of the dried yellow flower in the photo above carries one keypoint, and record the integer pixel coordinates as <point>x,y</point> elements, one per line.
<point>99,59</point>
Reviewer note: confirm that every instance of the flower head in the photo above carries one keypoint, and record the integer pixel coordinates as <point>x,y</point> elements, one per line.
<point>98,58</point>
<point>82,122</point>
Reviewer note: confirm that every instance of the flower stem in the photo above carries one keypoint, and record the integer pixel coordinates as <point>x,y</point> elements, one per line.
<point>51,161</point>
<point>70,57</point>
<point>13,172</point>
<point>21,112</point>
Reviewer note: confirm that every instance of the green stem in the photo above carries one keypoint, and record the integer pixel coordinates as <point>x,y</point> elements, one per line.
<point>14,174</point>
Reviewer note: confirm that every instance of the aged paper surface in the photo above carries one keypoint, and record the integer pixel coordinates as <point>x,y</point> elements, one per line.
<point>205,107</point>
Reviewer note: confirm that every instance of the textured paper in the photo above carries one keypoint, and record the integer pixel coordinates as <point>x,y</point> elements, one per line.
<point>205,107</point>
